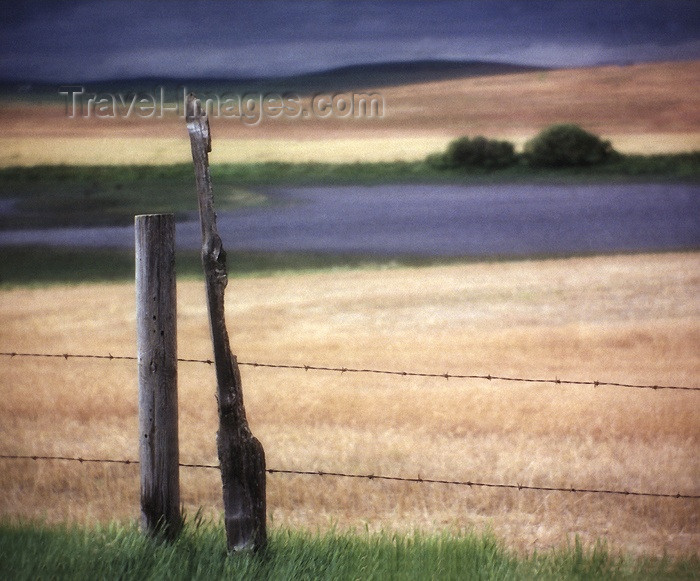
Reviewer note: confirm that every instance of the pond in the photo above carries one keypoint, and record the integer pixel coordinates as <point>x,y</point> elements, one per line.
<point>438,220</point>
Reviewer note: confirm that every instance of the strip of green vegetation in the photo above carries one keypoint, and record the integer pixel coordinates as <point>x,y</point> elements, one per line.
<point>120,552</point>
<point>39,266</point>
<point>23,266</point>
<point>667,166</point>
<point>54,196</point>
<point>676,167</point>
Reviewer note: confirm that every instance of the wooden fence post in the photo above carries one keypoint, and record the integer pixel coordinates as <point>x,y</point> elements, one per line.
<point>157,371</point>
<point>241,455</point>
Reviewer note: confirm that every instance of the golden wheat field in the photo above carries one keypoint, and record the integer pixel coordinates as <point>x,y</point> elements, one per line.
<point>630,319</point>
<point>645,108</point>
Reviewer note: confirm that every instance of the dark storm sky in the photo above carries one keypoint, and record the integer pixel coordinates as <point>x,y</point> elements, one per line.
<point>82,41</point>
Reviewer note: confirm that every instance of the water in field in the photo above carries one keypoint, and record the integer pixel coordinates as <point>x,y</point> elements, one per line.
<point>438,220</point>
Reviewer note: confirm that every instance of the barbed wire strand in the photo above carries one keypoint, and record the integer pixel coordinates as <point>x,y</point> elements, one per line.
<point>416,480</point>
<point>446,375</point>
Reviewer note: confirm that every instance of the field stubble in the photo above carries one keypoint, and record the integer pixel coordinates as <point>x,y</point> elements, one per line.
<point>627,318</point>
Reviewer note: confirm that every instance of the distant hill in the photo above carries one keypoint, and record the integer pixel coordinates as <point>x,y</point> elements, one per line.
<point>402,73</point>
<point>361,76</point>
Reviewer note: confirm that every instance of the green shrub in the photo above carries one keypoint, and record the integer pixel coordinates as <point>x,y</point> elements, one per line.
<point>567,145</point>
<point>479,152</point>
<point>438,161</point>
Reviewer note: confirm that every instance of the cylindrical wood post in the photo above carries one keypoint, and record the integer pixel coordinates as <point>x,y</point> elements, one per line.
<point>157,370</point>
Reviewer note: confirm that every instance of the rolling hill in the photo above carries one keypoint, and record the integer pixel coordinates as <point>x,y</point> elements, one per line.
<point>643,108</point>
<point>371,75</point>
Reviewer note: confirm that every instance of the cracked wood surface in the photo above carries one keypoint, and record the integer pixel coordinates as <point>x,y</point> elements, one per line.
<point>241,455</point>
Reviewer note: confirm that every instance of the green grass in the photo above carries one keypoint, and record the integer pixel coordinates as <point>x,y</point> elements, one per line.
<point>27,266</point>
<point>23,266</point>
<point>32,551</point>
<point>51,196</point>
<point>39,266</point>
<point>100,195</point>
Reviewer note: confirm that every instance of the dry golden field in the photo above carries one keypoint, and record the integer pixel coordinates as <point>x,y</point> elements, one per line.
<point>629,319</point>
<point>645,108</point>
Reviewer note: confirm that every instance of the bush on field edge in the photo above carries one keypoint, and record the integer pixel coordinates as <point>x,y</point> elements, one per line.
<point>477,152</point>
<point>567,145</point>
<point>561,145</point>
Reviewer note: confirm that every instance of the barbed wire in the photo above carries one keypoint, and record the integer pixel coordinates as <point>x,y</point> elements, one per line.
<point>341,370</point>
<point>414,480</point>
<point>109,356</point>
<point>488,377</point>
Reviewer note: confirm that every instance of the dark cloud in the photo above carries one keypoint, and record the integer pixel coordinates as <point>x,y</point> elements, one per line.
<point>78,41</point>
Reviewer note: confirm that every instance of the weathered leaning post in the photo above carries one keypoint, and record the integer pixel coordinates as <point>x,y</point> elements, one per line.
<point>241,455</point>
<point>157,369</point>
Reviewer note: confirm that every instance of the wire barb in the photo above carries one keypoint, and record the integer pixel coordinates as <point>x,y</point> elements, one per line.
<point>343,370</point>
<point>415,480</point>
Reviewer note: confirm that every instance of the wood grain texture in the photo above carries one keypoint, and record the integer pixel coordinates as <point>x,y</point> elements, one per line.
<point>157,370</point>
<point>241,455</point>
